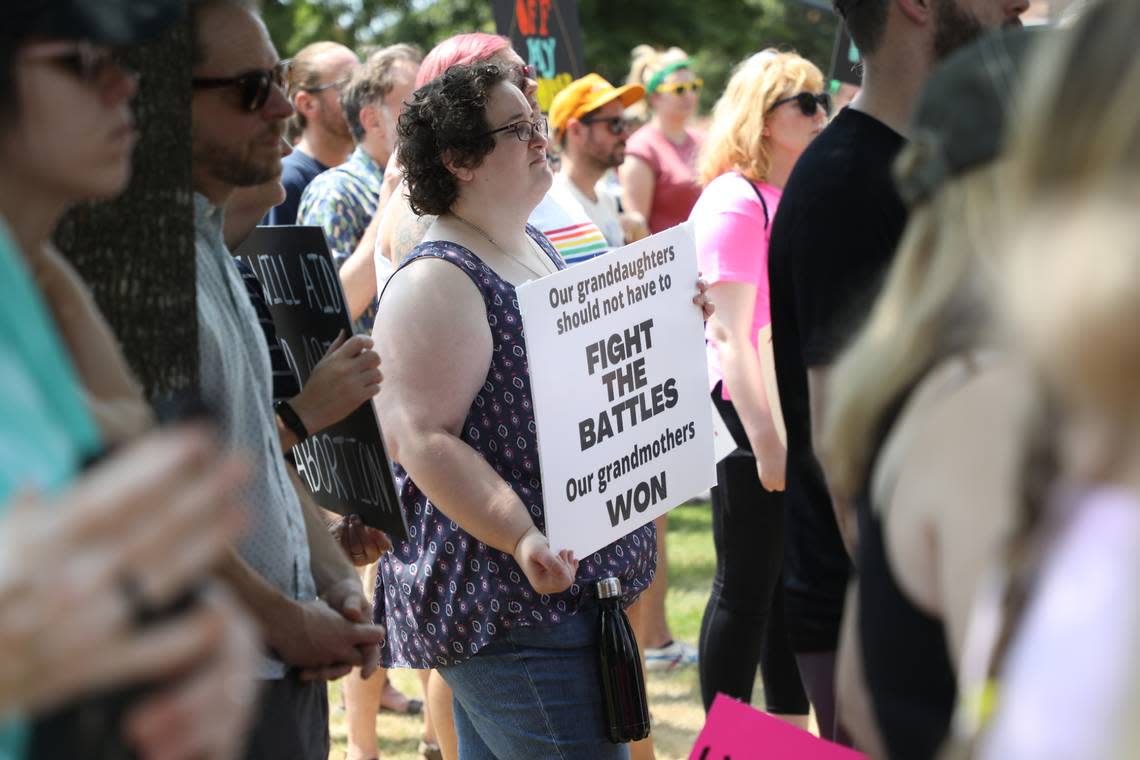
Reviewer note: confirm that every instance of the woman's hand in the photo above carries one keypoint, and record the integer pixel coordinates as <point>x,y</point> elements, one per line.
<point>362,544</point>
<point>129,538</point>
<point>547,572</point>
<point>702,299</point>
<point>206,713</point>
<point>771,463</point>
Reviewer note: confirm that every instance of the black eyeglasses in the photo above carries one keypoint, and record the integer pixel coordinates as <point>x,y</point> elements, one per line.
<point>615,124</point>
<point>807,101</point>
<point>253,86</point>
<point>524,130</point>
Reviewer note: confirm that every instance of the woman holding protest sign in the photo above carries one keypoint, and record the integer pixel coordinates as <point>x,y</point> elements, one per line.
<point>477,591</point>
<point>772,109</point>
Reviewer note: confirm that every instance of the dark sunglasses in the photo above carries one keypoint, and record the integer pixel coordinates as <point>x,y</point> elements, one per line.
<point>524,130</point>
<point>89,63</point>
<point>808,102</point>
<point>253,86</point>
<point>615,124</point>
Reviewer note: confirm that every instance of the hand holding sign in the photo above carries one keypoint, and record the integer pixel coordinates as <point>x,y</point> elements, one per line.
<point>345,377</point>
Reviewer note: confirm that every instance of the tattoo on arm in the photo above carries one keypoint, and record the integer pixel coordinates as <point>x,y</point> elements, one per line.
<point>408,233</point>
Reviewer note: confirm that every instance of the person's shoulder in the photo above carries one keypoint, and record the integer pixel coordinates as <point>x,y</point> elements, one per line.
<point>965,395</point>
<point>319,187</point>
<point>300,167</point>
<point>557,209</point>
<point>642,143</point>
<point>730,193</point>
<point>841,183</point>
<point>436,271</point>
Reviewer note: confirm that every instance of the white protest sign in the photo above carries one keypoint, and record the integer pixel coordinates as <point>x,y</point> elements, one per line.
<point>620,386</point>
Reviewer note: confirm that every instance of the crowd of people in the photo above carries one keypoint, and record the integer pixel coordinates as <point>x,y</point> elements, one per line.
<point>917,334</point>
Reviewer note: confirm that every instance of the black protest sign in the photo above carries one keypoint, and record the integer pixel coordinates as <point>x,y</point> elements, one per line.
<point>345,465</point>
<point>545,33</point>
<point>846,66</point>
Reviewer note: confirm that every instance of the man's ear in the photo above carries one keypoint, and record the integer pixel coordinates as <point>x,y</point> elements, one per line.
<point>575,127</point>
<point>370,118</point>
<point>461,173</point>
<point>920,12</point>
<point>304,103</point>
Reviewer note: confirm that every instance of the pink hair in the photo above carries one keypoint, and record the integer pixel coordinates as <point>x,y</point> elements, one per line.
<point>457,50</point>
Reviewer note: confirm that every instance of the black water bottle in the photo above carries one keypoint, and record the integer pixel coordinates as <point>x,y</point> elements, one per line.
<point>623,684</point>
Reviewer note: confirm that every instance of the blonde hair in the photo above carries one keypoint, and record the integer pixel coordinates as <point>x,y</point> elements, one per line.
<point>1072,297</point>
<point>935,303</point>
<point>736,140</point>
<point>1080,118</point>
<point>647,61</point>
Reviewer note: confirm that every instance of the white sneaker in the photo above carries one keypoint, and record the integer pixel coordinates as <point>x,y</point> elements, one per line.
<point>675,654</point>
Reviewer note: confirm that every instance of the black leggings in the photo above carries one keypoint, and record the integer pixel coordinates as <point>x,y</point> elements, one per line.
<point>743,625</point>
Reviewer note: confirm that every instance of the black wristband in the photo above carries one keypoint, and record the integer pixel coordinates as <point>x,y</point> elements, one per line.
<point>291,419</point>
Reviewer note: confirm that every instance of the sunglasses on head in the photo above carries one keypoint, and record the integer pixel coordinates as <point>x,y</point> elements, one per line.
<point>807,101</point>
<point>681,88</point>
<point>615,124</point>
<point>253,86</point>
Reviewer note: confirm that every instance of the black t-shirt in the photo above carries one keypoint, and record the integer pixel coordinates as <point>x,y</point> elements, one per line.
<point>297,171</point>
<point>835,233</point>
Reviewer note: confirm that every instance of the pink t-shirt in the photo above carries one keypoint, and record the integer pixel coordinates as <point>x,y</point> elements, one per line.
<point>732,246</point>
<point>674,167</point>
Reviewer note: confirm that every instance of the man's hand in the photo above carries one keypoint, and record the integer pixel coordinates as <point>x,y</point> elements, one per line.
<point>345,377</point>
<point>362,544</point>
<point>323,643</point>
<point>547,572</point>
<point>347,598</point>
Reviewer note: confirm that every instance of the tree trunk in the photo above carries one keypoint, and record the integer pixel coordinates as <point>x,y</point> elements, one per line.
<point>137,251</point>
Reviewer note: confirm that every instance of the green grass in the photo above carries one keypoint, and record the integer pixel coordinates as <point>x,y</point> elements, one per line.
<point>674,697</point>
<point>692,562</point>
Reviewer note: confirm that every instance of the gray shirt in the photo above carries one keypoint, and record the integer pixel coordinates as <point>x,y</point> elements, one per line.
<point>236,381</point>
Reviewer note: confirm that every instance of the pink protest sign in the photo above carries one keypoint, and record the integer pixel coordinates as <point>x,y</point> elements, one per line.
<point>735,731</point>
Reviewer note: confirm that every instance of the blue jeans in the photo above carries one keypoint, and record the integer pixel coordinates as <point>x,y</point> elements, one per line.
<point>534,693</point>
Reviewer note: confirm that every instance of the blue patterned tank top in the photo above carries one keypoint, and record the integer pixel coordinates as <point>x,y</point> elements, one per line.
<point>444,595</point>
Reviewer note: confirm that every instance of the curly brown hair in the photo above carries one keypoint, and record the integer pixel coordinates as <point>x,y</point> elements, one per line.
<point>446,117</point>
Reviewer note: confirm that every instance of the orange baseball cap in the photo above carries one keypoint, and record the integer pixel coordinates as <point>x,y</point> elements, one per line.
<point>584,95</point>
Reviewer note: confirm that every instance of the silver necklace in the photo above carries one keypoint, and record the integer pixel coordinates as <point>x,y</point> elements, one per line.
<point>503,250</point>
